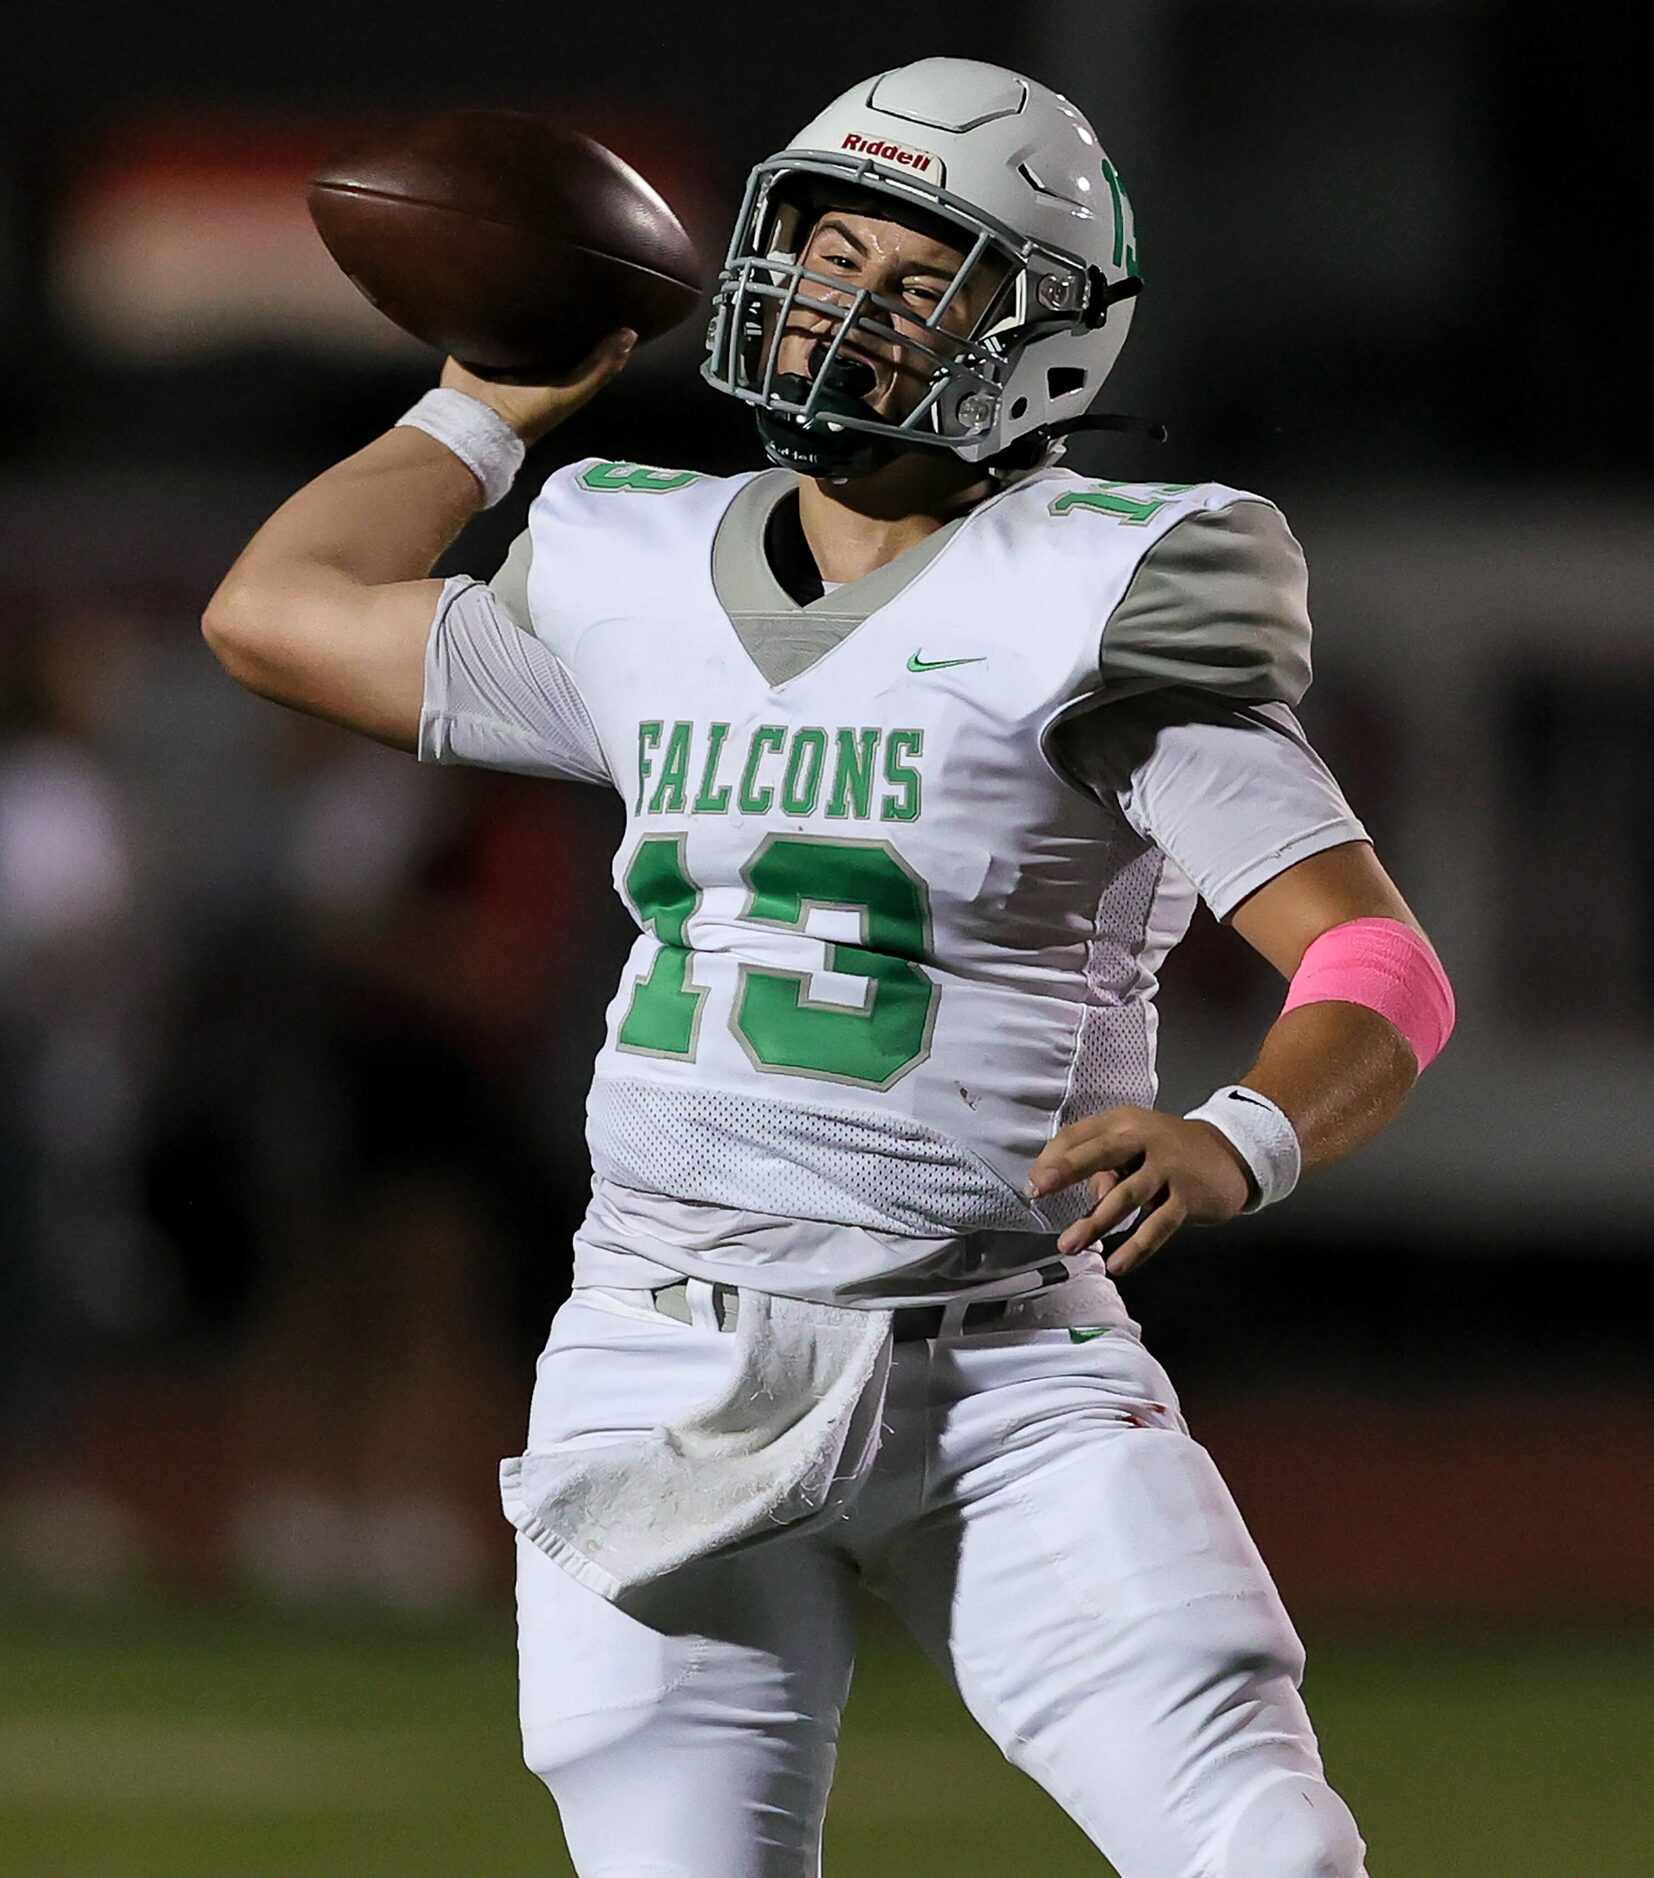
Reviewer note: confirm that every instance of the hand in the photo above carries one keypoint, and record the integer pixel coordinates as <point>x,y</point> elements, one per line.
<point>532,410</point>
<point>1175,1171</point>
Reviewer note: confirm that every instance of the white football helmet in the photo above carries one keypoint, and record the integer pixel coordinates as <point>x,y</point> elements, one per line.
<point>1018,172</point>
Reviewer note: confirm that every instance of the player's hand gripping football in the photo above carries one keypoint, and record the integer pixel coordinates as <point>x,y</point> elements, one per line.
<point>533,410</point>
<point>1175,1171</point>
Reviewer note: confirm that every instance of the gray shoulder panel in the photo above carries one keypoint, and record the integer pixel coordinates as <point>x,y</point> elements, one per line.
<point>1219,603</point>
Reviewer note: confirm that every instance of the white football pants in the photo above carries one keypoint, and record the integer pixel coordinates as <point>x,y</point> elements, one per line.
<point>1038,1516</point>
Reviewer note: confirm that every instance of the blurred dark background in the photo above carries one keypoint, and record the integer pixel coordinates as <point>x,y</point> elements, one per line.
<point>294,1036</point>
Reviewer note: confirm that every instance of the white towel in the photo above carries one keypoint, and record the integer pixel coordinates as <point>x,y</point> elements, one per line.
<point>787,1442</point>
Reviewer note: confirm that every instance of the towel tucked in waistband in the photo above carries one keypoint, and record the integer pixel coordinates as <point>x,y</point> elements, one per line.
<point>786,1444</point>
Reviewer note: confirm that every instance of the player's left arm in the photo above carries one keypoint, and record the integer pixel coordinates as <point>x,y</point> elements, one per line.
<point>1339,1071</point>
<point>1216,771</point>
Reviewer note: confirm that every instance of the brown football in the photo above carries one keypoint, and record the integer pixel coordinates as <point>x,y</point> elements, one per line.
<point>503,240</point>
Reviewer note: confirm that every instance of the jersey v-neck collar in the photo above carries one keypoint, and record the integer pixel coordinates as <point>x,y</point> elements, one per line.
<point>782,636</point>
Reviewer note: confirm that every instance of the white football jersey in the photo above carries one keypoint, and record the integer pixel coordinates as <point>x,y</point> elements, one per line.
<point>899,920</point>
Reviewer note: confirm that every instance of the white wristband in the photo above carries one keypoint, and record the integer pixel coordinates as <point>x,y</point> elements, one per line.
<point>476,433</point>
<point>1260,1134</point>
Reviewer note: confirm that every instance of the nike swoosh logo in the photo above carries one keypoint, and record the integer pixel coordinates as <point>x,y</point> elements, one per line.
<point>1252,1101</point>
<point>917,664</point>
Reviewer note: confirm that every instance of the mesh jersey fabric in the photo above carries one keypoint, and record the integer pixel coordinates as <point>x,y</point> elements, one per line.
<point>867,1266</point>
<point>496,698</point>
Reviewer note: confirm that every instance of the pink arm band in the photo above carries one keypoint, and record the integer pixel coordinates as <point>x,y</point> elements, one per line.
<point>1389,968</point>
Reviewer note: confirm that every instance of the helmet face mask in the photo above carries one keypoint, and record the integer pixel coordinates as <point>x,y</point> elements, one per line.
<point>1038,302</point>
<point>771,282</point>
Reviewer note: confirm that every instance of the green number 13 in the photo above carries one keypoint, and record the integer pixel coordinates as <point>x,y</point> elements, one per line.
<point>782,1028</point>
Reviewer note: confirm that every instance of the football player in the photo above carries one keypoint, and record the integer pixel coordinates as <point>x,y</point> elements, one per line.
<point>926,746</point>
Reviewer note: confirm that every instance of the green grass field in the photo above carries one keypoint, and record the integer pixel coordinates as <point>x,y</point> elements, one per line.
<point>231,1746</point>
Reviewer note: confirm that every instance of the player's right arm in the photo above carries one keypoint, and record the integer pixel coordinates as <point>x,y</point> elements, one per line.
<point>328,608</point>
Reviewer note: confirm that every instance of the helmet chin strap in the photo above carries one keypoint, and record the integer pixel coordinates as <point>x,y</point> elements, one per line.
<point>1148,427</point>
<point>819,448</point>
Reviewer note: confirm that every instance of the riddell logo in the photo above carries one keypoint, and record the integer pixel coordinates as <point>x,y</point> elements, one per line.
<point>888,152</point>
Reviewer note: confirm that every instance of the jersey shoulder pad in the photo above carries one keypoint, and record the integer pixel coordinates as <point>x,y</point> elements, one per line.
<point>609,538</point>
<point>1217,598</point>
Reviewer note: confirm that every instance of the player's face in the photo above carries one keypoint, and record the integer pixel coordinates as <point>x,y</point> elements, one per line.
<point>900,264</point>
